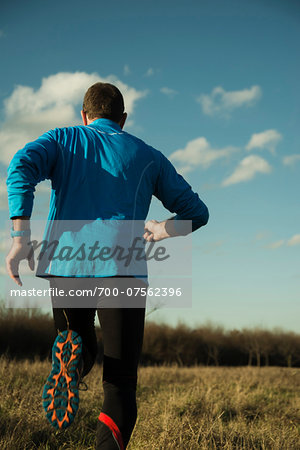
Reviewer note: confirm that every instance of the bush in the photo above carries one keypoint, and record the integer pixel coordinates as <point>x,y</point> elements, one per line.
<point>29,333</point>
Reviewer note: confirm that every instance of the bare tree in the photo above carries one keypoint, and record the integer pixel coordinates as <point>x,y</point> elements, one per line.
<point>252,343</point>
<point>289,347</point>
<point>213,337</point>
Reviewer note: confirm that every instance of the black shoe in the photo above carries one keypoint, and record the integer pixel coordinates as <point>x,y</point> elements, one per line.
<point>108,436</point>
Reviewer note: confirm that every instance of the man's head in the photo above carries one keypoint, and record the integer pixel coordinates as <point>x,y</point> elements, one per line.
<point>103,100</point>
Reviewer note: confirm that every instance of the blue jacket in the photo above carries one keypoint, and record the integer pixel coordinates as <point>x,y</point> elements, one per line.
<point>99,172</point>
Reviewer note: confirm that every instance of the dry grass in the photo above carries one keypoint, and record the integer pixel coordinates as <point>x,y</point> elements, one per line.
<point>179,408</point>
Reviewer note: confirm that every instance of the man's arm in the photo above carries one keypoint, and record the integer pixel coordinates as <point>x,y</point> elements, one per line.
<point>28,167</point>
<point>21,249</point>
<point>177,196</point>
<point>31,165</point>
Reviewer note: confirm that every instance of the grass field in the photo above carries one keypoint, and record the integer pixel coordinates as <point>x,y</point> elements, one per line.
<point>179,408</point>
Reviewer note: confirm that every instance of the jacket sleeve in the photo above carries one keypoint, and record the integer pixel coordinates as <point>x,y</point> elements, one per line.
<point>177,196</point>
<point>28,167</point>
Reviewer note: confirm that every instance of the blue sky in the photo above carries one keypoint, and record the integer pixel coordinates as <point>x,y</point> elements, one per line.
<point>214,85</point>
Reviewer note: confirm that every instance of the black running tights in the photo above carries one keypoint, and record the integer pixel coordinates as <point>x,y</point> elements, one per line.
<point>122,334</point>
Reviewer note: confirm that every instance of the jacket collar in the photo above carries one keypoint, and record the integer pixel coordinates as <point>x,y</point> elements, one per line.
<point>107,123</point>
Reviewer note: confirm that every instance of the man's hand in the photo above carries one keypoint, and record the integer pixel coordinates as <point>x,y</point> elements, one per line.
<point>155,231</point>
<point>20,250</point>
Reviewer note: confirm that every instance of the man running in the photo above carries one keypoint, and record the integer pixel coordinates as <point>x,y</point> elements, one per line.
<point>98,172</point>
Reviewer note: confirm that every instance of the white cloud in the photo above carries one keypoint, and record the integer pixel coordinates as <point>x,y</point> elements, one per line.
<point>261,235</point>
<point>149,72</point>
<point>30,112</point>
<point>127,70</point>
<point>3,195</point>
<point>276,244</point>
<point>198,152</point>
<point>295,240</point>
<point>168,91</point>
<point>266,140</point>
<point>247,169</point>
<point>223,102</point>
<point>290,160</point>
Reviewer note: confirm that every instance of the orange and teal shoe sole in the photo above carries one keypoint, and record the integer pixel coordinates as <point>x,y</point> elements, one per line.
<point>60,394</point>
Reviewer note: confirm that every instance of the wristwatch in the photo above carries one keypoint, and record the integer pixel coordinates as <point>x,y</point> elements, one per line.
<point>19,233</point>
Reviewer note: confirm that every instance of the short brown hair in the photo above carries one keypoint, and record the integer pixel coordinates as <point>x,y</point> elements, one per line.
<point>103,100</point>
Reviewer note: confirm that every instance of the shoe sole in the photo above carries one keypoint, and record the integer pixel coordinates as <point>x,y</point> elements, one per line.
<point>60,394</point>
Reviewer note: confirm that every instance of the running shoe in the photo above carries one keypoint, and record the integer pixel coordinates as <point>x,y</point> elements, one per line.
<point>60,394</point>
<point>108,434</point>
